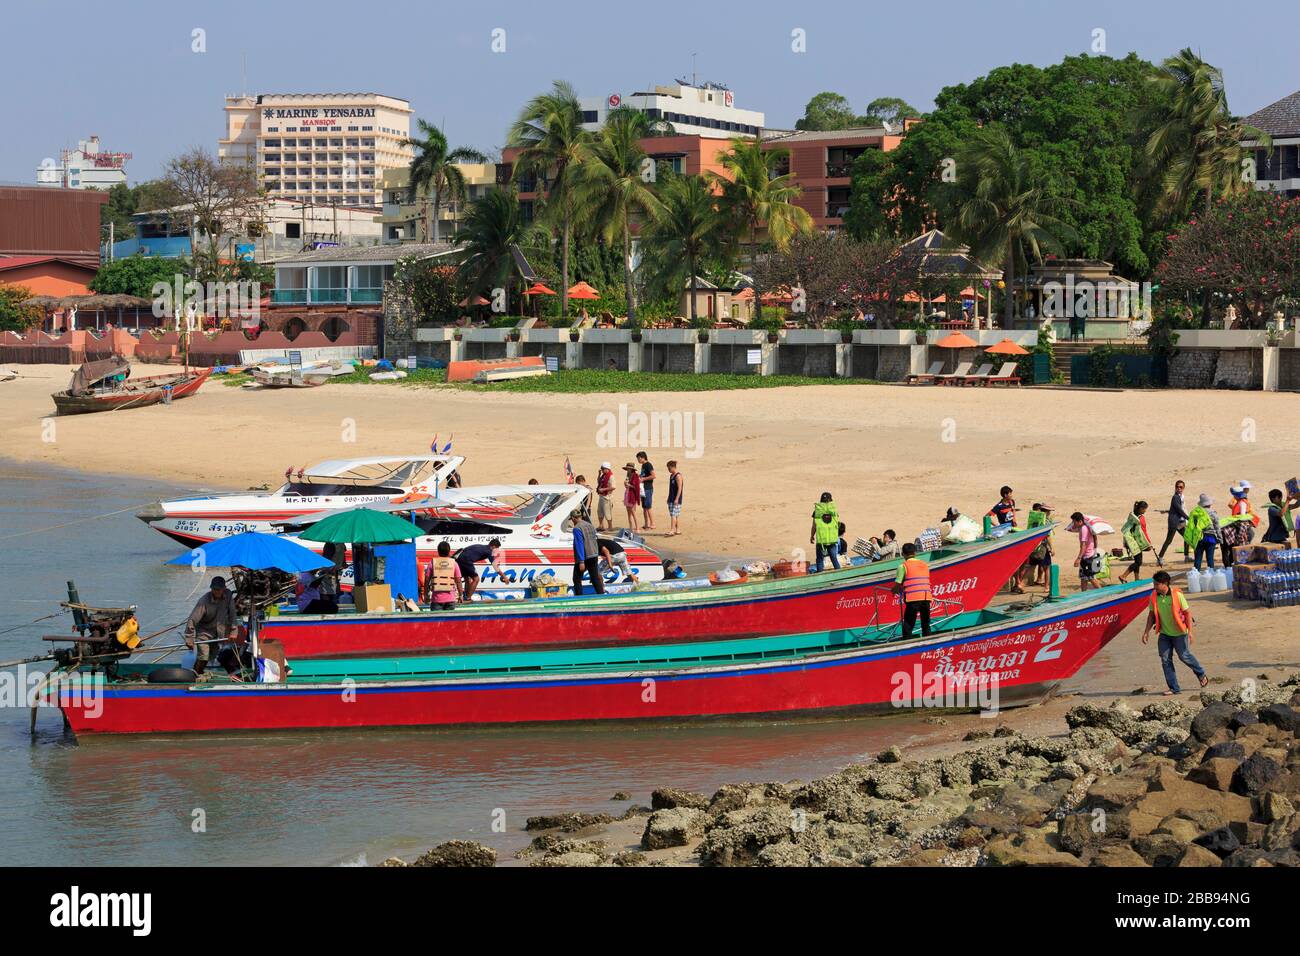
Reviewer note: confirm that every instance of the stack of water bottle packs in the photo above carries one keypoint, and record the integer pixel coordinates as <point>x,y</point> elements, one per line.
<point>1274,581</point>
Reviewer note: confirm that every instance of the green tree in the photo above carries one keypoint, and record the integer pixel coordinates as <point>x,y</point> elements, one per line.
<point>1006,212</point>
<point>554,146</point>
<point>492,225</point>
<point>755,198</point>
<point>614,186</point>
<point>687,232</point>
<point>827,111</point>
<point>136,275</point>
<point>1194,147</point>
<point>889,109</point>
<point>14,316</point>
<point>435,170</point>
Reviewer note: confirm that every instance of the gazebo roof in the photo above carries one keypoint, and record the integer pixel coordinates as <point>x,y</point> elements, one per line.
<point>941,257</point>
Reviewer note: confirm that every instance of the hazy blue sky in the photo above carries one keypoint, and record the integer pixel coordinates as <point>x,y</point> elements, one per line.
<point>125,69</point>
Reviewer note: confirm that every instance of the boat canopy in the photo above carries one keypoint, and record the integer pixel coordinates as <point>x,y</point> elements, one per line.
<point>90,374</point>
<point>514,504</point>
<point>380,471</point>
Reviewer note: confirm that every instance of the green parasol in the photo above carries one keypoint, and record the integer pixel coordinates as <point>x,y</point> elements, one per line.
<point>361,526</point>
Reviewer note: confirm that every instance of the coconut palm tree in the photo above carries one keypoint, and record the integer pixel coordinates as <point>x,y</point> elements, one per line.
<point>754,197</point>
<point>493,224</point>
<point>553,146</point>
<point>435,169</point>
<point>615,186</point>
<point>1194,147</point>
<point>688,231</point>
<point>1004,212</point>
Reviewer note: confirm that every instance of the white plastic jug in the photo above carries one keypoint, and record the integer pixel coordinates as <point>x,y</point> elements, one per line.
<point>1227,574</point>
<point>1194,581</point>
<point>1220,581</point>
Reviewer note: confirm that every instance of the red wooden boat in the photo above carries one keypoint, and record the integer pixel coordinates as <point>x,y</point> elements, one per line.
<point>106,385</point>
<point>965,577</point>
<point>980,659</point>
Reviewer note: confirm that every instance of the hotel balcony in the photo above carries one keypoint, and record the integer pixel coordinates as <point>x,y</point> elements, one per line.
<point>360,296</point>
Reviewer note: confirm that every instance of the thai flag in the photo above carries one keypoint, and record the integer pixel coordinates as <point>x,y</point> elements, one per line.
<point>568,470</point>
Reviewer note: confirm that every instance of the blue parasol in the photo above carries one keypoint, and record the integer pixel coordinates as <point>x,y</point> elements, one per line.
<point>257,552</point>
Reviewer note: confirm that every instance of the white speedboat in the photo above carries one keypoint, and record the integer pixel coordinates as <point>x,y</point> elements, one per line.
<point>341,483</point>
<point>527,519</point>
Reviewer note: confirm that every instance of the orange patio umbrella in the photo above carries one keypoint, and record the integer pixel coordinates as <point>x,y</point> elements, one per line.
<point>538,288</point>
<point>470,301</point>
<point>1006,347</point>
<point>957,340</point>
<point>583,291</point>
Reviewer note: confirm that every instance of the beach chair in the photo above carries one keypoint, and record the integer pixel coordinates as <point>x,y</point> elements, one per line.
<point>926,378</point>
<point>1006,375</point>
<point>962,371</point>
<point>979,376</point>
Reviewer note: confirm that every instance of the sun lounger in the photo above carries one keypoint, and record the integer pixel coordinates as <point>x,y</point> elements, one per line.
<point>962,371</point>
<point>979,376</point>
<point>928,377</point>
<point>1006,375</point>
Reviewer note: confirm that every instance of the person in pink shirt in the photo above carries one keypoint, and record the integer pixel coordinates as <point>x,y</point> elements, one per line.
<point>632,494</point>
<point>1089,559</point>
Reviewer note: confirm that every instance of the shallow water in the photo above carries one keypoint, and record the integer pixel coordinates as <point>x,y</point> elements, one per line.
<point>305,798</point>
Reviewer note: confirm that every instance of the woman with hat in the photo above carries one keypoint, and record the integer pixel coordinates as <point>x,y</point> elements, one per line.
<point>1202,532</point>
<point>631,494</point>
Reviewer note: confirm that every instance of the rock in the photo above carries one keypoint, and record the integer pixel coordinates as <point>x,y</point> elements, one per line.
<point>1248,856</point>
<point>1212,719</point>
<point>1075,832</point>
<point>458,853</point>
<point>1232,749</point>
<point>1254,773</point>
<point>1117,854</point>
<point>1194,855</point>
<point>1180,828</point>
<point>1243,718</point>
<point>1166,711</point>
<point>568,822</point>
<point>892,755</point>
<point>999,820</point>
<point>1222,841</point>
<point>621,795</point>
<point>1170,793</point>
<point>635,810</point>
<point>1030,848</point>
<point>572,858</point>
<point>394,861</point>
<point>1274,807</point>
<point>1215,773</point>
<point>1002,730</point>
<point>784,853</point>
<point>1282,834</point>
<point>1113,793</point>
<point>669,798</point>
<point>672,827</point>
<point>977,735</point>
<point>630,858</point>
<point>1160,849</point>
<point>740,835</point>
<point>1281,716</point>
<point>1117,718</point>
<point>1026,808</point>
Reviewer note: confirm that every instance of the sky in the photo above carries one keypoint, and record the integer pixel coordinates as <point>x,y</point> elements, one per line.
<point>129,72</point>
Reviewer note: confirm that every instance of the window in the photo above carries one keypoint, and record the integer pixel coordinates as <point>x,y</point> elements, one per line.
<point>272,143</point>
<point>292,230</point>
<point>589,116</point>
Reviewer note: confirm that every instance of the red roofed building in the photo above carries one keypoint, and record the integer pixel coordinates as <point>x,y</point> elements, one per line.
<point>47,275</point>
<point>50,221</point>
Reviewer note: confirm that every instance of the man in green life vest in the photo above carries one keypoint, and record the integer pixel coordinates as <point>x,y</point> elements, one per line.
<point>825,532</point>
<point>913,584</point>
<point>1170,613</point>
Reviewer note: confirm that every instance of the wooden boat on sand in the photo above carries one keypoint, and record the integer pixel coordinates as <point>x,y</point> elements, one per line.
<point>106,385</point>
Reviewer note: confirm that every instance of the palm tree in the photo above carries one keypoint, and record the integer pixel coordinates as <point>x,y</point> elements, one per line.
<point>554,145</point>
<point>1194,146</point>
<point>434,169</point>
<point>755,196</point>
<point>1004,211</point>
<point>493,224</point>
<point>687,231</point>
<point>615,185</point>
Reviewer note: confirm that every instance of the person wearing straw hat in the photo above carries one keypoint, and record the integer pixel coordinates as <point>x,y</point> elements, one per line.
<point>1202,532</point>
<point>605,497</point>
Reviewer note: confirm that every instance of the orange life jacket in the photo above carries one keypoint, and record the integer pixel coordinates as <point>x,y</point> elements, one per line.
<point>1182,616</point>
<point>1243,506</point>
<point>916,580</point>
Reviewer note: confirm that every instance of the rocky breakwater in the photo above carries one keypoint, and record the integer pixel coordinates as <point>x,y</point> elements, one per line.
<point>1208,781</point>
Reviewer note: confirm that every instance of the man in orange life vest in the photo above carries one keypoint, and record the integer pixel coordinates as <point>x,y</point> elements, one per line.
<point>1169,612</point>
<point>913,583</point>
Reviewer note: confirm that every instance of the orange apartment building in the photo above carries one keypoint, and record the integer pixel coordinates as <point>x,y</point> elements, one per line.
<point>822,163</point>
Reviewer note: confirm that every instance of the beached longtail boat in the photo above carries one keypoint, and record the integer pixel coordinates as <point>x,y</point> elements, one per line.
<point>964,577</point>
<point>105,385</point>
<point>985,659</point>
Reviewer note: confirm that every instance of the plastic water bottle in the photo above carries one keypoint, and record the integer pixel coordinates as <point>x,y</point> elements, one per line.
<point>1193,581</point>
<point>1227,574</point>
<point>1220,581</point>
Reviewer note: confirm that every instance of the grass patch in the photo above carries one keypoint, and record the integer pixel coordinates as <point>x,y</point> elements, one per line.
<point>596,380</point>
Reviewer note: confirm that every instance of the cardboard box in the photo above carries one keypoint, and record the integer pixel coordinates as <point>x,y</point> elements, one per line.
<point>1245,554</point>
<point>1263,551</point>
<point>1247,572</point>
<point>372,597</point>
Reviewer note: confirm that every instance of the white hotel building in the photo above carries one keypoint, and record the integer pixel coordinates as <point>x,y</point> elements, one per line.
<point>708,110</point>
<point>319,147</point>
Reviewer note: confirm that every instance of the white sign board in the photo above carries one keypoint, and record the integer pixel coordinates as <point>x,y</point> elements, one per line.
<point>552,363</point>
<point>754,356</point>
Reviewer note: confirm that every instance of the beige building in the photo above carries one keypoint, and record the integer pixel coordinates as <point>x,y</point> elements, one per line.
<point>319,147</point>
<point>406,221</point>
